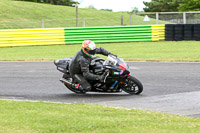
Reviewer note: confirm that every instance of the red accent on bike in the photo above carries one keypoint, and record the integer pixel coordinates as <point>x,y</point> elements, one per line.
<point>128,75</point>
<point>122,66</point>
<point>77,85</point>
<point>122,82</point>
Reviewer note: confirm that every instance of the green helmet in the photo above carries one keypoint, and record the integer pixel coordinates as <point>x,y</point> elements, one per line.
<point>89,48</point>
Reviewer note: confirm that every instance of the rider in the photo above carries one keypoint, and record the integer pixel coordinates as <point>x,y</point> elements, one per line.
<point>79,66</point>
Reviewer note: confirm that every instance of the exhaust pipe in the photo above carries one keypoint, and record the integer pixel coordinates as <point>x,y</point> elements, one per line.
<point>64,81</point>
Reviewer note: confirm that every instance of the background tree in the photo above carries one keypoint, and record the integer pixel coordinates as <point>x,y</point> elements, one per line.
<point>162,5</point>
<point>190,5</point>
<point>135,10</point>
<point>54,2</point>
<point>106,10</point>
<point>91,7</point>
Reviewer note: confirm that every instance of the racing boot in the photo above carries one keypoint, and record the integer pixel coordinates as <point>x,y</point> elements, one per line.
<point>78,87</point>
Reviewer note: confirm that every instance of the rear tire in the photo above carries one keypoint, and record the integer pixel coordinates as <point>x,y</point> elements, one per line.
<point>132,86</point>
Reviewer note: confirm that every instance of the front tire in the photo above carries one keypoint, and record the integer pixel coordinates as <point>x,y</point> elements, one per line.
<point>132,86</point>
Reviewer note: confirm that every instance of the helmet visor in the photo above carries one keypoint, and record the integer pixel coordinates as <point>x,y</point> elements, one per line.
<point>92,52</point>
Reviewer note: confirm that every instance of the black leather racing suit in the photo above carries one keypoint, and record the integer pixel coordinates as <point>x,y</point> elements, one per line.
<point>79,68</point>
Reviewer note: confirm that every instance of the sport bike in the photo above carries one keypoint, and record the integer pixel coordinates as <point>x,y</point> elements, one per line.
<point>116,71</point>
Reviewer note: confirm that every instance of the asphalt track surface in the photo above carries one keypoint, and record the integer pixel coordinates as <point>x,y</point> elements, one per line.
<point>168,87</point>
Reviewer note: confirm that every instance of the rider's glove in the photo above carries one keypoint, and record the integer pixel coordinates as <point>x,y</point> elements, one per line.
<point>102,77</point>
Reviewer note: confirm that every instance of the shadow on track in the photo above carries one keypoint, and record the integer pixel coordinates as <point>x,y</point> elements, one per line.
<point>88,97</point>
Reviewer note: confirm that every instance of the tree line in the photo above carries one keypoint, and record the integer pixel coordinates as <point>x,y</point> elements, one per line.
<point>172,5</point>
<point>153,6</point>
<point>54,2</point>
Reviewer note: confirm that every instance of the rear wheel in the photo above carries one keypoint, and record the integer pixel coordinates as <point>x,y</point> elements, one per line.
<point>132,86</point>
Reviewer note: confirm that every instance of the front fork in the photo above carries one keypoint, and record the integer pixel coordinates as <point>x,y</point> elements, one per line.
<point>123,81</point>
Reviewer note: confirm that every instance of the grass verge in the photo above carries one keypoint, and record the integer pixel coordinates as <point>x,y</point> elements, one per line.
<point>23,14</point>
<point>31,117</point>
<point>132,51</point>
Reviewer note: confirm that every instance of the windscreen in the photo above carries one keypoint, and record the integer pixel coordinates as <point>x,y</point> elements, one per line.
<point>119,62</point>
<point>110,60</point>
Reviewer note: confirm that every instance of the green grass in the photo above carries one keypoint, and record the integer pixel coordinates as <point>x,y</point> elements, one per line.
<point>133,51</point>
<point>29,117</point>
<point>20,14</point>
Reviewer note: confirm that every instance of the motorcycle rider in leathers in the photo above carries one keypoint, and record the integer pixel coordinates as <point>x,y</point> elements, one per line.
<point>79,66</point>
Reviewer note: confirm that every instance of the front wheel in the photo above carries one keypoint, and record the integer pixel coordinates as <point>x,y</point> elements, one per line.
<point>132,86</point>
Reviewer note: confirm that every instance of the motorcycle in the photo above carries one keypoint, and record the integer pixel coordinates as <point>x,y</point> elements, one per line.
<point>117,77</point>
